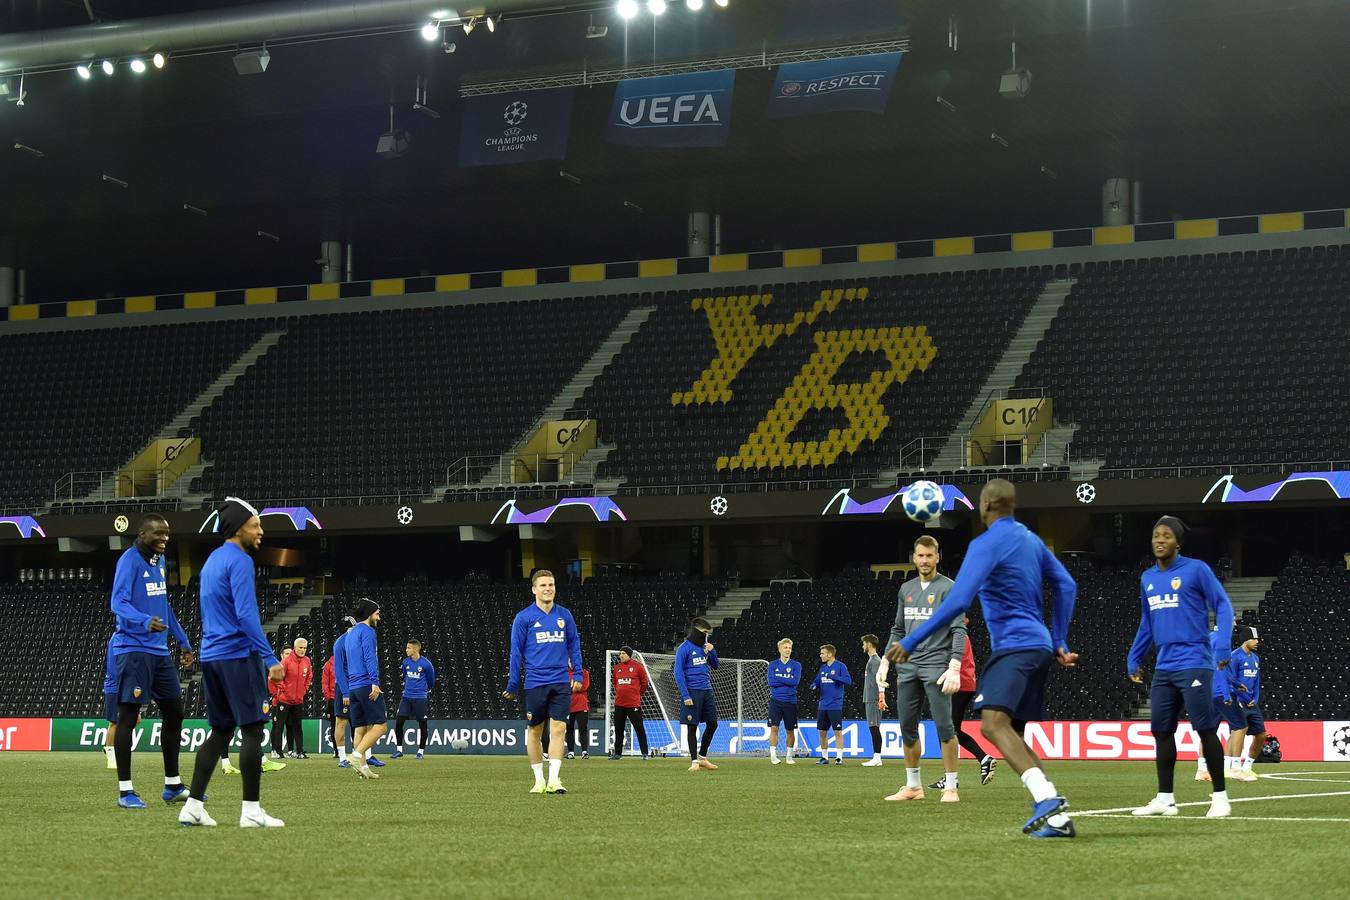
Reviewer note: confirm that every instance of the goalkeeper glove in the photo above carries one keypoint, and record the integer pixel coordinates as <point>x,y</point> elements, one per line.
<point>950,680</point>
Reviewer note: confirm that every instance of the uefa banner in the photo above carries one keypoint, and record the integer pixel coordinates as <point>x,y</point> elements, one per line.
<point>526,126</point>
<point>89,734</point>
<point>1299,741</point>
<point>852,84</point>
<point>673,110</point>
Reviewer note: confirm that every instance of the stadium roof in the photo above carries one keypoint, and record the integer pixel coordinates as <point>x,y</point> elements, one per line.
<point>1218,107</point>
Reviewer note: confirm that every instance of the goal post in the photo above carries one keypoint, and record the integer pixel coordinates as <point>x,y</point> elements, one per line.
<point>740,690</point>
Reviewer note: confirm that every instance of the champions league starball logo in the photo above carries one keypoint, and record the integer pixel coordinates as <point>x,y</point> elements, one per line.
<point>516,113</point>
<point>1339,742</point>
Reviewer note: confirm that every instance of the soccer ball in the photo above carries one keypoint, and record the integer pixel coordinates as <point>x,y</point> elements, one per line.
<point>922,501</point>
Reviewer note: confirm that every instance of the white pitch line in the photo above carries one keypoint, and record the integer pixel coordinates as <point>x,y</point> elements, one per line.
<point>1299,779</point>
<point>1204,819</point>
<point>1125,809</point>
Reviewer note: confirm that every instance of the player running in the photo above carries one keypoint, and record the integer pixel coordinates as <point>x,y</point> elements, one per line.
<point>785,675</point>
<point>932,671</point>
<point>140,649</point>
<point>419,677</point>
<point>1177,595</point>
<point>1006,566</point>
<point>544,641</point>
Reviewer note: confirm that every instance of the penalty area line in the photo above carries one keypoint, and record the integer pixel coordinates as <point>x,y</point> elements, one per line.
<point>1126,809</point>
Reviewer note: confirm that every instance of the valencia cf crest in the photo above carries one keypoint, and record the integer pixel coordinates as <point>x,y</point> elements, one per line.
<point>1176,584</point>
<point>562,623</point>
<point>909,598</point>
<point>930,599</point>
<point>136,692</point>
<point>267,708</point>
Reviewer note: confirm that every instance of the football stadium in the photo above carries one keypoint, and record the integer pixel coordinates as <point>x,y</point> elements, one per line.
<point>650,447</point>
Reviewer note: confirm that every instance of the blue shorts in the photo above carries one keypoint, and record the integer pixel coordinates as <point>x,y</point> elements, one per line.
<point>142,677</point>
<point>339,708</point>
<point>1014,681</point>
<point>363,711</point>
<point>1192,688</point>
<point>236,692</point>
<point>1238,716</point>
<point>549,701</point>
<point>413,708</point>
<point>829,718</point>
<point>704,709</point>
<point>782,712</point>
<point>110,706</point>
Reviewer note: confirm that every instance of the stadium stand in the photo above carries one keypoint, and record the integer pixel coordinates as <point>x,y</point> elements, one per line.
<point>923,343</point>
<point>464,627</point>
<point>1203,360</point>
<point>369,403</point>
<point>52,423</point>
<point>1304,626</point>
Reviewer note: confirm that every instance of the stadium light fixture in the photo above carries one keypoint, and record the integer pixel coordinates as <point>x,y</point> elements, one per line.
<point>137,65</point>
<point>470,24</point>
<point>107,67</point>
<point>626,9</point>
<point>159,59</point>
<point>431,31</point>
<point>656,7</point>
<point>85,70</point>
<point>492,22</point>
<point>694,5</point>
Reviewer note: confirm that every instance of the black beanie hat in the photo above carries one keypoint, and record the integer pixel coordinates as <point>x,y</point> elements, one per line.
<point>232,516</point>
<point>1247,633</point>
<point>364,608</point>
<point>626,649</point>
<point>1174,525</point>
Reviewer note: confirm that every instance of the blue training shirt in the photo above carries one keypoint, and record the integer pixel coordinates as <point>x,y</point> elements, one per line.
<point>340,665</point>
<point>419,676</point>
<point>1245,669</point>
<point>692,665</point>
<point>784,677</point>
<point>545,644</point>
<point>231,628</point>
<point>1006,566</point>
<point>110,668</point>
<point>830,681</point>
<point>140,592</point>
<point>1176,604</point>
<point>363,659</point>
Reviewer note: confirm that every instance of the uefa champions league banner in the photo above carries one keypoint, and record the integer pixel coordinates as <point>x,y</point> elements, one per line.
<point>673,110</point>
<point>526,126</point>
<point>852,84</point>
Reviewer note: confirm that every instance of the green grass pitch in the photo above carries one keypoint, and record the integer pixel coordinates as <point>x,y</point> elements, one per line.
<point>464,826</point>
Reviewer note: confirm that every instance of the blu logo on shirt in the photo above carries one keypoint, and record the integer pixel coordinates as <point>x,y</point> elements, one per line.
<point>544,636</point>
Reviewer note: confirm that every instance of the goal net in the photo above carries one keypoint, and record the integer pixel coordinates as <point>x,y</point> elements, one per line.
<point>740,689</point>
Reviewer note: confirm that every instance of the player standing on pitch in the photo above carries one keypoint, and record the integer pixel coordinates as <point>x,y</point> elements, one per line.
<point>630,682</point>
<point>237,663</point>
<point>831,680</point>
<point>365,697</point>
<point>960,704</point>
<point>933,670</point>
<point>1177,595</point>
<point>140,649</point>
<point>544,641</point>
<point>1244,718</point>
<point>694,659</point>
<point>785,675</point>
<point>1006,566</point>
<point>419,677</point>
<point>874,696</point>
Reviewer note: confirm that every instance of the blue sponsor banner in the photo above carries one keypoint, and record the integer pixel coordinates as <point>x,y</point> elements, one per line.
<point>673,110</point>
<point>525,126</point>
<point>854,84</point>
